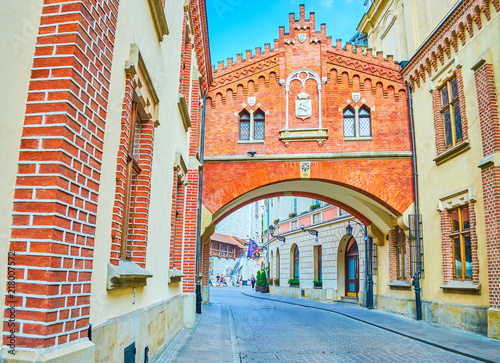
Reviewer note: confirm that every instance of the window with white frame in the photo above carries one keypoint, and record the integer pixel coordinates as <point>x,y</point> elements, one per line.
<point>252,126</point>
<point>357,122</point>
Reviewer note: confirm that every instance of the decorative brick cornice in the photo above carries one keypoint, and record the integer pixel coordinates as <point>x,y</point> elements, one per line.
<point>451,33</point>
<point>243,70</point>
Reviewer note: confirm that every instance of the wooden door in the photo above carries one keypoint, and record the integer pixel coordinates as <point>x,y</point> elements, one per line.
<point>352,269</point>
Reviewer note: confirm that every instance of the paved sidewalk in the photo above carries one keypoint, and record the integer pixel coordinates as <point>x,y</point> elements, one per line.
<point>208,342</point>
<point>469,344</point>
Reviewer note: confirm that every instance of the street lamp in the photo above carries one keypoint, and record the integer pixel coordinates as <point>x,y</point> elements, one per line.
<point>368,262</point>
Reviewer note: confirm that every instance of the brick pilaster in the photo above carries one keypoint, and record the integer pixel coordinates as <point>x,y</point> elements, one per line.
<point>57,186</point>
<point>393,274</point>
<point>446,247</point>
<point>190,234</point>
<point>438,121</point>
<point>490,174</point>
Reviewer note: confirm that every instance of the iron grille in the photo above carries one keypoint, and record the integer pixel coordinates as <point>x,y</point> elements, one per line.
<point>374,259</point>
<point>416,247</point>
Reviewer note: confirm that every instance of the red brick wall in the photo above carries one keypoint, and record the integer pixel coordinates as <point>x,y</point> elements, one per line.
<point>387,181</point>
<point>138,220</point>
<point>382,90</point>
<point>490,174</point>
<point>58,178</point>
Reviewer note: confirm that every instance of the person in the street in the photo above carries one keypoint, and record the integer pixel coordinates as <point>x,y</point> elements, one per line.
<point>221,280</point>
<point>253,281</point>
<point>241,280</point>
<point>217,281</point>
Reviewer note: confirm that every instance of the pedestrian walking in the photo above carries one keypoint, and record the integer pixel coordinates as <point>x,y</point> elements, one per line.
<point>217,281</point>
<point>221,280</point>
<point>253,281</point>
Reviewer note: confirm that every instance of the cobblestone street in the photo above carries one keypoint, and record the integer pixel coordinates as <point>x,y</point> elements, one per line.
<point>261,330</point>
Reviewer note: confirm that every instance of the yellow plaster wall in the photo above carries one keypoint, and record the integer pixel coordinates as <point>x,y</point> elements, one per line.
<point>414,21</point>
<point>455,174</point>
<point>19,21</point>
<point>162,61</point>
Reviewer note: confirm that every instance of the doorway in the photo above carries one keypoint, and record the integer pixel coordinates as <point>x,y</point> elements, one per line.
<point>352,269</point>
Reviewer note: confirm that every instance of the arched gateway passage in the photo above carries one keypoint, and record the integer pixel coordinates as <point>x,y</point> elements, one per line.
<point>309,118</point>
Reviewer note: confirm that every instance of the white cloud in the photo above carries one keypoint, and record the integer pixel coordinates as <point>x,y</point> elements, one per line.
<point>327,3</point>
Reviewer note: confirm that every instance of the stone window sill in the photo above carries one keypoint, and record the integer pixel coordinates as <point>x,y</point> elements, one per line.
<point>400,284</point>
<point>126,274</point>
<point>175,275</point>
<point>462,287</point>
<point>363,138</point>
<point>451,153</point>
<point>298,135</point>
<point>250,141</point>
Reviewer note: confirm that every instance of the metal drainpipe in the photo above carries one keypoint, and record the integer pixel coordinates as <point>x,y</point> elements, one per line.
<point>416,276</point>
<point>198,223</point>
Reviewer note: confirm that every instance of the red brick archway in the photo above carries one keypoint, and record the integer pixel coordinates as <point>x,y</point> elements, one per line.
<point>385,185</point>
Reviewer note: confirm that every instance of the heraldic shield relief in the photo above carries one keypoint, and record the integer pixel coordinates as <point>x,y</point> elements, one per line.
<point>303,107</point>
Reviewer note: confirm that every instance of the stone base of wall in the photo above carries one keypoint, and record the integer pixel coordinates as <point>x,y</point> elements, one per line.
<point>154,326</point>
<point>205,294</point>
<point>473,318</point>
<point>493,323</point>
<point>78,351</point>
<point>312,294</point>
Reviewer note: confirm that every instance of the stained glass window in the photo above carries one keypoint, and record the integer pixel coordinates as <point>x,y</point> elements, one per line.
<point>259,122</point>
<point>364,123</point>
<point>349,130</point>
<point>245,126</point>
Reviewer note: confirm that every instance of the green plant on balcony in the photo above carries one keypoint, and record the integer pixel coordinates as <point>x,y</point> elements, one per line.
<point>270,282</point>
<point>291,215</point>
<point>276,221</point>
<point>318,283</point>
<point>276,282</point>
<point>293,282</point>
<point>314,206</point>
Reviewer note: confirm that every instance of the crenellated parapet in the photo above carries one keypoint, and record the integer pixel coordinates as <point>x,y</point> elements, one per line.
<point>335,63</point>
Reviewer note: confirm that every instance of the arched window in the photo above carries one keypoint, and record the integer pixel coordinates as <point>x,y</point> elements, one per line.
<point>245,126</point>
<point>295,263</point>
<point>259,124</point>
<point>349,130</point>
<point>365,129</point>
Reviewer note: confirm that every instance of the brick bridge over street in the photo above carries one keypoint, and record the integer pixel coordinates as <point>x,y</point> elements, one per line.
<point>309,118</point>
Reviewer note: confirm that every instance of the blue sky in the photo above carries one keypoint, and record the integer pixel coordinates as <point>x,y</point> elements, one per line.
<point>237,25</point>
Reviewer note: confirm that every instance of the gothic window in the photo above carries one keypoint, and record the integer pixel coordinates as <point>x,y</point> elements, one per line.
<point>349,117</point>
<point>357,123</point>
<point>259,122</point>
<point>451,113</point>
<point>364,123</point>
<point>461,243</point>
<point>132,174</point>
<point>245,126</point>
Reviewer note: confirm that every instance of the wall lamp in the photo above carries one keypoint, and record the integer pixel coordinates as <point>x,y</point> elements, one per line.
<point>251,153</point>
<point>278,237</point>
<point>314,232</point>
<point>348,229</point>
